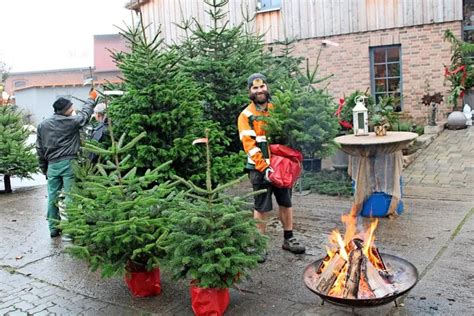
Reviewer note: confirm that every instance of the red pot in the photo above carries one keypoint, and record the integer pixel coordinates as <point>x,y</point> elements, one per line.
<point>143,284</point>
<point>209,301</point>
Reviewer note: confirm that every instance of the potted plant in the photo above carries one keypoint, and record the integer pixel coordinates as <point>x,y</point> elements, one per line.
<point>382,115</point>
<point>460,74</point>
<point>213,241</point>
<point>379,124</point>
<point>344,111</point>
<point>114,218</point>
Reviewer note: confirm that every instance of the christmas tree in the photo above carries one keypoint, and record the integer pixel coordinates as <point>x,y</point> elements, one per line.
<point>114,216</point>
<point>219,58</point>
<point>213,237</point>
<point>303,116</point>
<point>163,101</point>
<point>17,158</point>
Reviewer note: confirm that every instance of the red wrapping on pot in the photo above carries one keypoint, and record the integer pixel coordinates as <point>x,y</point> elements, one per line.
<point>209,301</point>
<point>143,284</point>
<point>286,165</point>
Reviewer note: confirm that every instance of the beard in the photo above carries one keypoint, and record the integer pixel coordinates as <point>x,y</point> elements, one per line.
<point>260,98</point>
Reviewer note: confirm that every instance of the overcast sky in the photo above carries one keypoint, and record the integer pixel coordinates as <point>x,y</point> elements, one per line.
<point>56,34</point>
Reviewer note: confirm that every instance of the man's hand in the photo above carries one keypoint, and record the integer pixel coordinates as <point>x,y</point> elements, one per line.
<point>267,173</point>
<point>93,94</point>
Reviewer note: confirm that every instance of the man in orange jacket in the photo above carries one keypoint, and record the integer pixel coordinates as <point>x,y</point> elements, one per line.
<point>252,135</point>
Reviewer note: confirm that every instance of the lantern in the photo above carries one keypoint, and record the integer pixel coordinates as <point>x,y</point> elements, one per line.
<point>360,119</point>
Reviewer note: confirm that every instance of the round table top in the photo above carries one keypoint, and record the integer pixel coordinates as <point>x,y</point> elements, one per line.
<point>372,139</point>
<point>371,144</point>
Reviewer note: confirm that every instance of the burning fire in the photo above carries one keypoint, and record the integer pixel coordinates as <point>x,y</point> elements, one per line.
<point>353,267</point>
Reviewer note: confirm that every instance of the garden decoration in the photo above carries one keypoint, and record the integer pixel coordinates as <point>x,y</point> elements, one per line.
<point>382,116</point>
<point>432,101</point>
<point>213,240</point>
<point>360,117</point>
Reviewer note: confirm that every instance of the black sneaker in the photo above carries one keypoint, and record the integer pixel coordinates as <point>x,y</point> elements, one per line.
<point>55,233</point>
<point>263,257</point>
<point>293,245</point>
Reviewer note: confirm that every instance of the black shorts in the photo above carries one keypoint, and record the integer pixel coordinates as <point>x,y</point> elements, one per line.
<point>263,202</point>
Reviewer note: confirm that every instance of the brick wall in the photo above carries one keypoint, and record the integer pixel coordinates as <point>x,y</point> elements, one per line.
<point>423,55</point>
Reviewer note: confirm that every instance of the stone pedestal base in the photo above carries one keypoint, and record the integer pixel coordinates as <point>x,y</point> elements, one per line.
<point>434,129</point>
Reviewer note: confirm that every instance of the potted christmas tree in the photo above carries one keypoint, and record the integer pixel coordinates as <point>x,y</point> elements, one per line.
<point>114,217</point>
<point>213,240</point>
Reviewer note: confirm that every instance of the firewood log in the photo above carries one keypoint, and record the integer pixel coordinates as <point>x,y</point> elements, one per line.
<point>351,287</point>
<point>328,276</point>
<point>365,291</point>
<point>377,283</point>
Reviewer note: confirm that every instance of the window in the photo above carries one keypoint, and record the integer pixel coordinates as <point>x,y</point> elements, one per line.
<point>385,73</point>
<point>265,5</point>
<point>468,21</point>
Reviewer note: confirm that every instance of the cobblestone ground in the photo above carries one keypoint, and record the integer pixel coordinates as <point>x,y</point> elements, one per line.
<point>435,233</point>
<point>23,295</point>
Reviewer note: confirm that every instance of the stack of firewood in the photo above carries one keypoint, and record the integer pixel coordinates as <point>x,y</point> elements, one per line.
<point>361,279</point>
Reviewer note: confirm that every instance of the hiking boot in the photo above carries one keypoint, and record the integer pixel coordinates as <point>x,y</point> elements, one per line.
<point>293,245</point>
<point>55,233</point>
<point>263,257</point>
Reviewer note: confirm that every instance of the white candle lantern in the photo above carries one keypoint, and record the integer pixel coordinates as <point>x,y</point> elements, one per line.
<point>360,117</point>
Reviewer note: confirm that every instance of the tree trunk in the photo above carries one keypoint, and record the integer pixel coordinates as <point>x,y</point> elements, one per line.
<point>7,184</point>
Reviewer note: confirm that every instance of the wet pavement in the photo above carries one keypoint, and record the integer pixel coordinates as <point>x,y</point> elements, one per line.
<point>435,233</point>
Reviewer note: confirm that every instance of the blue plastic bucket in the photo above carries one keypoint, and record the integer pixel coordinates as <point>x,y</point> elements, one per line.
<point>378,203</point>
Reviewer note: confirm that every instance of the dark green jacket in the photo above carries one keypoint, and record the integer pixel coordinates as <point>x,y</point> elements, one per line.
<point>58,136</point>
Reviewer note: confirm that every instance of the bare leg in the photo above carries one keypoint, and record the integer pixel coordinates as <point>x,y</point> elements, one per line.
<point>261,218</point>
<point>286,217</point>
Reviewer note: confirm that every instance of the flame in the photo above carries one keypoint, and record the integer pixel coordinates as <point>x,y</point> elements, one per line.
<point>343,245</point>
<point>369,240</point>
<point>338,288</point>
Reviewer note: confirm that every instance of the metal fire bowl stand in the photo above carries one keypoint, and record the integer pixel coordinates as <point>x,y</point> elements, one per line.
<point>405,276</point>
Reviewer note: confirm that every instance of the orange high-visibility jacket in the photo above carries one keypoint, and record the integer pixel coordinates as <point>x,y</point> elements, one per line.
<point>253,137</point>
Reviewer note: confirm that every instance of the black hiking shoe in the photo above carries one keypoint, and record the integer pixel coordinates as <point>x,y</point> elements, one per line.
<point>55,233</point>
<point>263,257</point>
<point>293,245</point>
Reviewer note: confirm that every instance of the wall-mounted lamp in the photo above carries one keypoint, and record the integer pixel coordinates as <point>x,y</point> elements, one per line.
<point>330,43</point>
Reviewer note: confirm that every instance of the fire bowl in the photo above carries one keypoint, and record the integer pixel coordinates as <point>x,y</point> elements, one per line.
<point>405,277</point>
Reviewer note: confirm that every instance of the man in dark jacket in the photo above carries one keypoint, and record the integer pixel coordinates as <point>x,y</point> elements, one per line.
<point>57,144</point>
<point>99,132</point>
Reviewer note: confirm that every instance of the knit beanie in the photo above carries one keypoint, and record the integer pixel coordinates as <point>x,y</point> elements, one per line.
<point>61,105</point>
<point>254,77</point>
